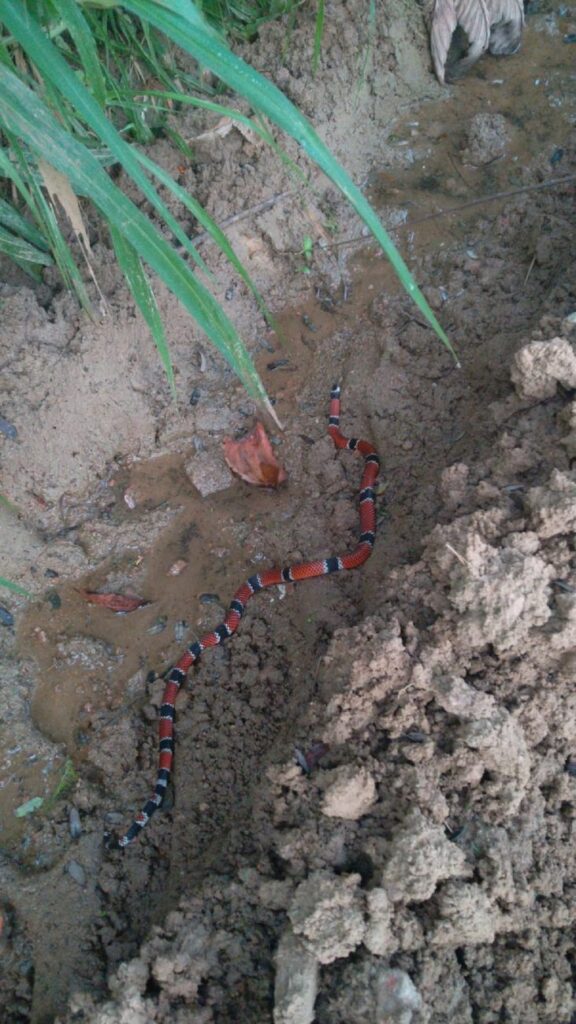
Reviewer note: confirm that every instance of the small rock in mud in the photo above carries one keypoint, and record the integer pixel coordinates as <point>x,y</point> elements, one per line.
<point>76,872</point>
<point>74,823</point>
<point>296,982</point>
<point>397,995</point>
<point>87,652</point>
<point>350,793</point>
<point>326,911</point>
<point>539,367</point>
<point>466,916</point>
<point>420,857</point>
<point>553,507</point>
<point>379,937</point>
<point>488,138</point>
<point>208,472</point>
<point>6,617</point>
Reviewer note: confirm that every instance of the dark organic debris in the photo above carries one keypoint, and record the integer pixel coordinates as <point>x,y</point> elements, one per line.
<point>462,30</point>
<point>8,429</point>
<point>6,617</point>
<point>114,602</point>
<point>309,759</point>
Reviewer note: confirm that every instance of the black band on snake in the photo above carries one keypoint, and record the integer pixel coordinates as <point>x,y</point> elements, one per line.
<point>270,578</point>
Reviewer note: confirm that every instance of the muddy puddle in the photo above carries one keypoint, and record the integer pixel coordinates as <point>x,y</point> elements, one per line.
<point>180,532</point>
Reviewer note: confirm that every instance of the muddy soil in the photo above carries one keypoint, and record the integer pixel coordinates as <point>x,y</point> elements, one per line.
<point>422,869</point>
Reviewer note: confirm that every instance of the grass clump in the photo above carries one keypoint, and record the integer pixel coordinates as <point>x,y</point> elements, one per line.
<point>79,83</point>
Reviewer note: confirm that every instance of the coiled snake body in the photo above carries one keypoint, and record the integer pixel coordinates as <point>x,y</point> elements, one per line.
<point>270,578</point>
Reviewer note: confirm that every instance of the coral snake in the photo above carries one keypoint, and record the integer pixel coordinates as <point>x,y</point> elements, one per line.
<point>271,578</point>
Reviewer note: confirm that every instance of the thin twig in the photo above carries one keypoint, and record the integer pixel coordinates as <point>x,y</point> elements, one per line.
<point>530,268</point>
<point>257,208</point>
<point>460,557</point>
<point>488,199</point>
<point>457,209</point>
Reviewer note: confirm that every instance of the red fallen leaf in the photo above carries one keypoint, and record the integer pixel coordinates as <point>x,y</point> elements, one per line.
<point>115,602</point>
<point>252,458</point>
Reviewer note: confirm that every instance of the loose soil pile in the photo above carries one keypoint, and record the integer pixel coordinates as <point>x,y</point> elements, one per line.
<point>421,869</point>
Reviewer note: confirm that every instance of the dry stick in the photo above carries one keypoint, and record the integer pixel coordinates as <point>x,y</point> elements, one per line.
<point>266,203</point>
<point>257,208</point>
<point>488,199</point>
<point>463,206</point>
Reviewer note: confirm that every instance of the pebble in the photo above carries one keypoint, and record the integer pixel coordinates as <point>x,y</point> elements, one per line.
<point>180,630</point>
<point>195,396</point>
<point>76,872</point>
<point>8,429</point>
<point>209,599</point>
<point>74,823</point>
<point>296,983</point>
<point>177,567</point>
<point>6,617</point>
<point>157,627</point>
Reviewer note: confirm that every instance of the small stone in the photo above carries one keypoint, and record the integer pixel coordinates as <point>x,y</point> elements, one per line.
<point>180,630</point>
<point>74,823</point>
<point>539,367</point>
<point>420,857</point>
<point>158,626</point>
<point>379,938</point>
<point>208,472</point>
<point>177,567</point>
<point>466,916</point>
<point>488,137</point>
<point>296,982</point>
<point>76,872</point>
<point>327,912</point>
<point>350,794</point>
<point>6,617</point>
<point>397,996</point>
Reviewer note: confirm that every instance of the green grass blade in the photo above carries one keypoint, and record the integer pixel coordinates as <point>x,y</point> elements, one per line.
<point>8,504</point>
<point>141,289</point>
<point>182,22</point>
<point>27,117</point>
<point>13,220</point>
<point>209,225</point>
<point>21,251</point>
<point>14,587</point>
<point>23,177</point>
<point>318,31</point>
<point>256,126</point>
<point>78,28</point>
<point>56,71</point>
<point>58,245</point>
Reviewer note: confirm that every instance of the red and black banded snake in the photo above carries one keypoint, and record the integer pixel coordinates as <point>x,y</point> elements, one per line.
<point>270,578</point>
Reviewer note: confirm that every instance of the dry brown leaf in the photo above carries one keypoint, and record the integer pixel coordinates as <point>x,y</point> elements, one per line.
<point>253,459</point>
<point>223,127</point>
<point>59,188</point>
<point>115,602</point>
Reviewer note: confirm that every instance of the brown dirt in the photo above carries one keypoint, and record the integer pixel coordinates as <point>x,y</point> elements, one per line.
<point>423,870</point>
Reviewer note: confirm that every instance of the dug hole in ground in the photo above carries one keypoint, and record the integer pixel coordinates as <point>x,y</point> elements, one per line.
<point>422,870</point>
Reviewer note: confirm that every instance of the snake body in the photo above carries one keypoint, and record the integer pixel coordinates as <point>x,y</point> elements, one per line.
<point>270,578</point>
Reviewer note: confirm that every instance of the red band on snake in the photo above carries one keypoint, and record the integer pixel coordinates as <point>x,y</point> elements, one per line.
<point>270,578</point>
